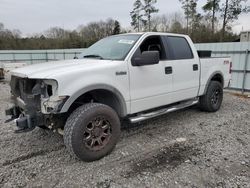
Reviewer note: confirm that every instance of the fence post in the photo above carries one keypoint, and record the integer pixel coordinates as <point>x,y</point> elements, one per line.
<point>31,58</point>
<point>64,55</point>
<point>245,72</point>
<point>14,57</point>
<point>47,58</point>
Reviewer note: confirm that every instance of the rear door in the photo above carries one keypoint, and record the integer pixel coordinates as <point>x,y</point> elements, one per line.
<point>186,67</point>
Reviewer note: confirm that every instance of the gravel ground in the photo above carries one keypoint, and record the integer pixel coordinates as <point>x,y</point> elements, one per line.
<point>187,148</point>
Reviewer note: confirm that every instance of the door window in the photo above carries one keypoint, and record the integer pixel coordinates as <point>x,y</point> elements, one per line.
<point>179,48</point>
<point>152,43</point>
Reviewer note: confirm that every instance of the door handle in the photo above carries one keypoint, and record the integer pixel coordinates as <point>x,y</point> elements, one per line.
<point>168,70</point>
<point>195,67</point>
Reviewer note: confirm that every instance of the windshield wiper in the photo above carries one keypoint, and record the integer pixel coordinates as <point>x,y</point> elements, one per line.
<point>93,56</point>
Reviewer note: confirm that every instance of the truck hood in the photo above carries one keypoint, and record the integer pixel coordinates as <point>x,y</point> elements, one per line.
<point>54,68</point>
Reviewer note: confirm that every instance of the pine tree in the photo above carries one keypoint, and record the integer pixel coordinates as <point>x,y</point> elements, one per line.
<point>149,9</point>
<point>193,14</point>
<point>136,16</point>
<point>190,11</point>
<point>185,6</point>
<point>117,28</point>
<point>230,11</point>
<point>212,6</point>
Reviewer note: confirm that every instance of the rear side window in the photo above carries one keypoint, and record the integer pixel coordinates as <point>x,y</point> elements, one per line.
<point>180,48</point>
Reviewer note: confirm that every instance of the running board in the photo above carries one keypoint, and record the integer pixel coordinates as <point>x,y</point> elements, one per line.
<point>142,117</point>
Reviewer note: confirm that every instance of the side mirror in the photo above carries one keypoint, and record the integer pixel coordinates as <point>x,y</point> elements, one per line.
<point>146,58</point>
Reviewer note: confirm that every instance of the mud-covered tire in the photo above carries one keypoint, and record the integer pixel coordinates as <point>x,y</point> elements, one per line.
<point>92,122</point>
<point>211,101</point>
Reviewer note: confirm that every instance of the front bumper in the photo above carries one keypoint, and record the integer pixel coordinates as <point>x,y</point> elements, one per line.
<point>35,103</point>
<point>28,120</point>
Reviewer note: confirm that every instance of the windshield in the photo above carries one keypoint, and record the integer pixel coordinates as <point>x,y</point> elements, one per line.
<point>111,48</point>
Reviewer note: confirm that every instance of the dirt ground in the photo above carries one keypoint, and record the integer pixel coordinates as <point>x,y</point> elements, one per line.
<point>188,148</point>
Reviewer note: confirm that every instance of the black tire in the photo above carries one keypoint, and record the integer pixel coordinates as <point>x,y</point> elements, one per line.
<point>211,101</point>
<point>92,131</point>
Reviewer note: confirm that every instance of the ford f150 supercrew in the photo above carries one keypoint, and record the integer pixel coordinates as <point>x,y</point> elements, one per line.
<point>129,76</point>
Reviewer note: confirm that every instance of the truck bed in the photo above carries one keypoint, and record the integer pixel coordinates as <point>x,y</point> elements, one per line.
<point>212,65</point>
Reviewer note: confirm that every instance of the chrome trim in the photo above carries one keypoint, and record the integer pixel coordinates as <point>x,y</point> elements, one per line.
<point>143,117</point>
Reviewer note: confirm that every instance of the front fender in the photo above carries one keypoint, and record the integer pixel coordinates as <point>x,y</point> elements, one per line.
<point>84,90</point>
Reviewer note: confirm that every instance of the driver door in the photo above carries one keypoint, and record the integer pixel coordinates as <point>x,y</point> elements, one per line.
<point>151,85</point>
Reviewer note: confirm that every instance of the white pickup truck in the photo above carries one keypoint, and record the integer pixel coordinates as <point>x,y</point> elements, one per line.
<point>130,76</point>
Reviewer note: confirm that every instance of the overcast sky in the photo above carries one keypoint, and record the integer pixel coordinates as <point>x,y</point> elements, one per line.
<point>36,16</point>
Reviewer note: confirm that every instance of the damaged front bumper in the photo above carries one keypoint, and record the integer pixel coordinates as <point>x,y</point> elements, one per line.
<point>24,123</point>
<point>35,104</point>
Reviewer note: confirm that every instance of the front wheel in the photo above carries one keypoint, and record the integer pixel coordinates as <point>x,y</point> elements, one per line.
<point>92,131</point>
<point>211,101</point>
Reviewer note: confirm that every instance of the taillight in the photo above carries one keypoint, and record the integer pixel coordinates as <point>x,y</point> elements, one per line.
<point>230,69</point>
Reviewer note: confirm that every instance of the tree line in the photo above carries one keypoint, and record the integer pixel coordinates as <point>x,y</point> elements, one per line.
<point>59,38</point>
<point>213,24</point>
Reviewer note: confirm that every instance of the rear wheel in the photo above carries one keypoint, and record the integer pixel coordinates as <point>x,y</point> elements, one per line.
<point>92,131</point>
<point>211,101</point>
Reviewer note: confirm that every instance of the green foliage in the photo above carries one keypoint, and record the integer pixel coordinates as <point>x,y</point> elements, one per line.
<point>58,38</point>
<point>142,13</point>
<point>136,16</point>
<point>149,9</point>
<point>117,28</point>
<point>230,11</point>
<point>190,12</point>
<point>176,27</point>
<point>211,8</point>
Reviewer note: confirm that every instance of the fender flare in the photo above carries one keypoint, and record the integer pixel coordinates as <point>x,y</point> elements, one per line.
<point>84,90</point>
<point>210,79</point>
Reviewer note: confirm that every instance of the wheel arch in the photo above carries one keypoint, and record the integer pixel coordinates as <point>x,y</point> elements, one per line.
<point>216,76</point>
<point>102,93</point>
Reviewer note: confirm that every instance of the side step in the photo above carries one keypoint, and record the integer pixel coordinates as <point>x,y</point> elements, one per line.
<point>184,104</point>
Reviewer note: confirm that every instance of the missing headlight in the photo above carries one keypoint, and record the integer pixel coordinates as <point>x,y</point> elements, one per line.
<point>49,90</point>
<point>45,88</point>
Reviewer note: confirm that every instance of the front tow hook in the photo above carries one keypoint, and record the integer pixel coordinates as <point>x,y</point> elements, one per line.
<point>24,124</point>
<point>13,112</point>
